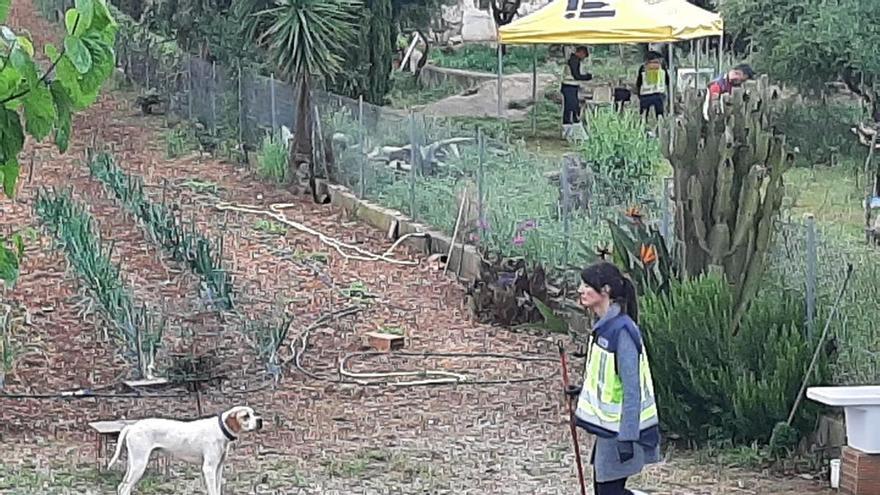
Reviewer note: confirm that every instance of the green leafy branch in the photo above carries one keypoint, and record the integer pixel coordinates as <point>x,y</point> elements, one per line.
<point>46,102</point>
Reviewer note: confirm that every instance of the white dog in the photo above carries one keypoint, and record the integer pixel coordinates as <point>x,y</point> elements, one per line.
<point>203,441</point>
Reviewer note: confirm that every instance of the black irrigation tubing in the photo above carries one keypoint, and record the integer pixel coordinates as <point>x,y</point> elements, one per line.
<point>92,393</point>
<point>296,360</point>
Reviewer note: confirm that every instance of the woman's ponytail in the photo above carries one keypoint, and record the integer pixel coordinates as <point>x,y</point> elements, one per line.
<point>630,299</point>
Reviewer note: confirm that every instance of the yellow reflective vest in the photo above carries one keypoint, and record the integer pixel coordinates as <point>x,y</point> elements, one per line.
<point>601,399</point>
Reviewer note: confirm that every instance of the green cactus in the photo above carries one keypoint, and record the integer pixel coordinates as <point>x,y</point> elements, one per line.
<point>728,168</point>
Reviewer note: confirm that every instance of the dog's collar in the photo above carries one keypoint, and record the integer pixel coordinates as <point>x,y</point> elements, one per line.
<point>226,433</point>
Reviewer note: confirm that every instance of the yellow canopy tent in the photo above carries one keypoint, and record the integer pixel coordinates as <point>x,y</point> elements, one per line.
<point>612,21</point>
<point>592,22</point>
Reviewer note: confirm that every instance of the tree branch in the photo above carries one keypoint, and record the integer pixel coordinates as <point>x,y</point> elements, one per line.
<point>42,80</point>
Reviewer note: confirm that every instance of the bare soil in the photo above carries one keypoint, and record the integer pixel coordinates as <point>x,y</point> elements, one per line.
<point>321,436</point>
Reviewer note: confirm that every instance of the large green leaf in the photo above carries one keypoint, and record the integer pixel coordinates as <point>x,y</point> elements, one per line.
<point>69,77</point>
<point>71,20</point>
<point>75,50</point>
<point>86,11</point>
<point>39,112</point>
<point>102,20</point>
<point>9,176</point>
<point>63,108</point>
<point>11,134</point>
<point>103,61</point>
<point>9,81</point>
<point>4,10</point>
<point>24,64</point>
<point>25,44</point>
<point>51,51</point>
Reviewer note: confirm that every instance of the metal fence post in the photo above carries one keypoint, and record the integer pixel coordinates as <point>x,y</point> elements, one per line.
<point>214,98</point>
<point>812,277</point>
<point>272,102</point>
<point>147,65</point>
<point>240,116</point>
<point>481,182</point>
<point>362,188</point>
<point>500,88</point>
<point>189,89</point>
<point>666,215</point>
<point>415,152</point>
<point>566,227</point>
<point>534,90</point>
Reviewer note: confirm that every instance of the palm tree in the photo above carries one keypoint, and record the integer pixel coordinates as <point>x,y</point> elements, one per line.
<point>307,40</point>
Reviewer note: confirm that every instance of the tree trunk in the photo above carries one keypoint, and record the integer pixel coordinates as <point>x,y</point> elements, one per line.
<point>301,152</point>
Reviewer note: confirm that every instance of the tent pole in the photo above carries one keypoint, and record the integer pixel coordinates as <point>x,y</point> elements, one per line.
<point>720,50</point>
<point>534,89</point>
<point>672,78</point>
<point>500,113</point>
<point>698,44</point>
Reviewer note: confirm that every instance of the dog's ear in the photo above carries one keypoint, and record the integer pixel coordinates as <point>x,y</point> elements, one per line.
<point>233,422</point>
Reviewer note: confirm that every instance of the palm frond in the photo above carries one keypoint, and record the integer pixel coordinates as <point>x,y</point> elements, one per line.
<point>309,36</point>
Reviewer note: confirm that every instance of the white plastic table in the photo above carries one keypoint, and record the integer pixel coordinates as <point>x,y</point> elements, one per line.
<point>861,406</point>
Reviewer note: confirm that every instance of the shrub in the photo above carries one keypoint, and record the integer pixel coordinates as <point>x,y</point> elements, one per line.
<point>619,153</point>
<point>272,159</point>
<point>484,58</point>
<point>821,130</point>
<point>713,386</point>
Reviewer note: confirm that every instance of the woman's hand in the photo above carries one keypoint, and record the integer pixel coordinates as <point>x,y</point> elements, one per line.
<point>625,451</point>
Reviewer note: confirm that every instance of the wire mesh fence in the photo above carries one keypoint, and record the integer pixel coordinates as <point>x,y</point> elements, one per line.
<point>502,198</point>
<point>812,260</point>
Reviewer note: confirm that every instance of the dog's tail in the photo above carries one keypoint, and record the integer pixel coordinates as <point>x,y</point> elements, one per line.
<point>122,438</point>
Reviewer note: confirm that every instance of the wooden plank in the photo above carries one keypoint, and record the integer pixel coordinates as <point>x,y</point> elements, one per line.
<point>153,382</point>
<point>111,427</point>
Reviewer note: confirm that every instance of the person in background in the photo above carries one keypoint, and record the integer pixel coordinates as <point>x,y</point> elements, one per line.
<point>724,84</point>
<point>652,84</point>
<point>616,402</point>
<point>735,77</point>
<point>574,71</point>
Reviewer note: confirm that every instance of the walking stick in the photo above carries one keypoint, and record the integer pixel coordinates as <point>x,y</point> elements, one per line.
<point>571,422</point>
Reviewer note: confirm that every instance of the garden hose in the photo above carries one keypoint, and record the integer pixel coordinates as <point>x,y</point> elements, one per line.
<point>274,212</point>
<point>383,378</point>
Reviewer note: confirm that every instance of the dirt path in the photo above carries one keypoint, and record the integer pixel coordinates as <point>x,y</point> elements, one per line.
<point>321,437</point>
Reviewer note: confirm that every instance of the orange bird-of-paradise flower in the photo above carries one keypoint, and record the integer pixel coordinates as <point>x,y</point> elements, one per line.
<point>648,254</point>
<point>634,214</point>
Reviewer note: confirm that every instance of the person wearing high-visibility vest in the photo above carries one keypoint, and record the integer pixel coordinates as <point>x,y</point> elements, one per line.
<point>574,71</point>
<point>652,84</point>
<point>616,402</point>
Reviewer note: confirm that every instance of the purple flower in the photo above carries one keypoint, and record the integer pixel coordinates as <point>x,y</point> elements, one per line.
<point>473,238</point>
<point>519,240</point>
<point>483,224</point>
<point>527,225</point>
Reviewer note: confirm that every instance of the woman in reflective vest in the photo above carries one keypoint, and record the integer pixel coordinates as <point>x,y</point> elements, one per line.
<point>616,402</point>
<point>652,84</point>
